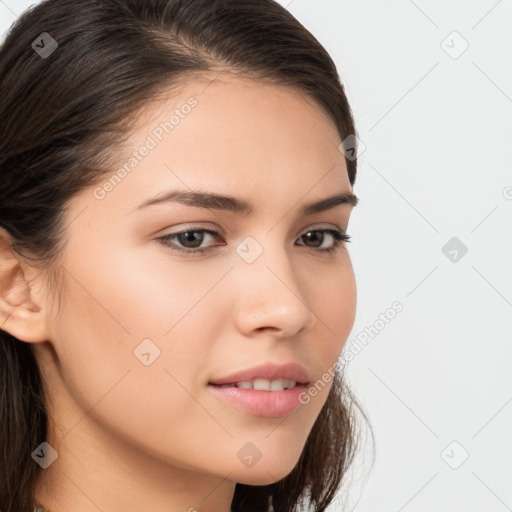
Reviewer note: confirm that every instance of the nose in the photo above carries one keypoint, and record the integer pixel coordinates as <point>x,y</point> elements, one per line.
<point>271,294</point>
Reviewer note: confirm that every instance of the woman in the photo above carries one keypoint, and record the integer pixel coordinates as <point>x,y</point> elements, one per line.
<point>175,282</point>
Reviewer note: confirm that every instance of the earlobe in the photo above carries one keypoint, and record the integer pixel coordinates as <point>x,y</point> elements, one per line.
<point>20,314</point>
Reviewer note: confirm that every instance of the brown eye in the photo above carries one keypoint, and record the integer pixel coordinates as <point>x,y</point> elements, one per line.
<point>188,241</point>
<point>317,237</point>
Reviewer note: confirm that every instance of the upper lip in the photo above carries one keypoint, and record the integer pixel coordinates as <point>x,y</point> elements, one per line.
<point>270,371</point>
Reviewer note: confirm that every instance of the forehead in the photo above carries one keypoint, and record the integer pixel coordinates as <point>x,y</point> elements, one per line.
<point>230,134</point>
<point>230,96</point>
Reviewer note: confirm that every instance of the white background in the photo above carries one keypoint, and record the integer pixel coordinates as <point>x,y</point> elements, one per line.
<point>437,129</point>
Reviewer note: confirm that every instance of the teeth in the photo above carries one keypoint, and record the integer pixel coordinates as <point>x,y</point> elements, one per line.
<point>264,384</point>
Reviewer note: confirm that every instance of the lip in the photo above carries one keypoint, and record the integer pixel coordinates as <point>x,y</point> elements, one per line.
<point>266,404</point>
<point>270,371</point>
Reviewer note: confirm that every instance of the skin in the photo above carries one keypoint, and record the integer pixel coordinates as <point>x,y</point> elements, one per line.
<point>132,437</point>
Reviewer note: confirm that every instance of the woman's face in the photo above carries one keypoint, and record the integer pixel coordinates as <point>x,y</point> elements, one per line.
<point>144,327</point>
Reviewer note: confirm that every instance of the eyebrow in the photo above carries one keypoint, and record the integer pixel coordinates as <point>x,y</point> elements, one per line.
<point>203,199</point>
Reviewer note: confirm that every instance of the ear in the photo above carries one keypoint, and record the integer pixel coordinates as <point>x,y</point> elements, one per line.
<point>21,310</point>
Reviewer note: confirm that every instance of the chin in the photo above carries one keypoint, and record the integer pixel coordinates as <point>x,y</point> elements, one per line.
<point>265,473</point>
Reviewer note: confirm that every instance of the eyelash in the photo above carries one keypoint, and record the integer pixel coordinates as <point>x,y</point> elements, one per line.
<point>339,237</point>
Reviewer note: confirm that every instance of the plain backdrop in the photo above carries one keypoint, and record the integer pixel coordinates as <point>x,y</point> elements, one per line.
<point>430,85</point>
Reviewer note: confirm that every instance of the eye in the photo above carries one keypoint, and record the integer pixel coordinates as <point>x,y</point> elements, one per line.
<point>339,239</point>
<point>190,240</point>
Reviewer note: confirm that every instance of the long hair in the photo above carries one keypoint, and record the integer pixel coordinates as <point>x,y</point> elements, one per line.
<point>73,77</point>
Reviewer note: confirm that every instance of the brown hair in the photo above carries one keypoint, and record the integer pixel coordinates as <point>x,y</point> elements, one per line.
<point>63,113</point>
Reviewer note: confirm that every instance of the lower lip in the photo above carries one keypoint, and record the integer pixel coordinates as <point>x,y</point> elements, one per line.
<point>267,404</point>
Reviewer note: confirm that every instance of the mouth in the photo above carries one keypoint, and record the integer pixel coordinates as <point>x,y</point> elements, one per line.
<point>267,390</point>
<point>261,397</point>
<point>262,384</point>
<point>266,377</point>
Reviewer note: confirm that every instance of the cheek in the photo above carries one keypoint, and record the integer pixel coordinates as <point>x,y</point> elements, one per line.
<point>334,304</point>
<point>152,293</point>
<point>152,406</point>
<point>334,301</point>
<point>130,311</point>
